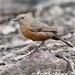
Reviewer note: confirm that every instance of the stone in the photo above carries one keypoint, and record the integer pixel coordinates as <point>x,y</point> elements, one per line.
<point>39,62</point>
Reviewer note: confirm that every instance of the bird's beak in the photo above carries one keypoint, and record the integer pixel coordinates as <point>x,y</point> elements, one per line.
<point>14,19</point>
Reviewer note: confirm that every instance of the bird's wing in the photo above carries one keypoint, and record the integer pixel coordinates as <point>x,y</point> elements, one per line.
<point>38,26</point>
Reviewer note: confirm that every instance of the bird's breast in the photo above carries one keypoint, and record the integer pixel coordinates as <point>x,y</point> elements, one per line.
<point>35,36</point>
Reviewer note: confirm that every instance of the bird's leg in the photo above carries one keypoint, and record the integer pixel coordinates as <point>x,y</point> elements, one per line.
<point>40,46</point>
<point>43,43</point>
<point>37,48</point>
<point>44,46</point>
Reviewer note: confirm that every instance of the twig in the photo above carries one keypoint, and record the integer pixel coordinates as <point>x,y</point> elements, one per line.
<point>16,46</point>
<point>69,60</point>
<point>5,48</point>
<point>70,63</point>
<point>22,56</point>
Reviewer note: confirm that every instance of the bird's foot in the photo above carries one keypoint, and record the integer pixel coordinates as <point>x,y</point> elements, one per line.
<point>43,48</point>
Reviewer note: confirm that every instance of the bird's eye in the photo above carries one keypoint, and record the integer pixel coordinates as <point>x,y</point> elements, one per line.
<point>22,17</point>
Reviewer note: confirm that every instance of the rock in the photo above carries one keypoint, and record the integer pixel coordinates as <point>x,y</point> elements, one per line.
<point>56,10</point>
<point>39,62</point>
<point>17,6</point>
<point>8,29</point>
<point>2,63</point>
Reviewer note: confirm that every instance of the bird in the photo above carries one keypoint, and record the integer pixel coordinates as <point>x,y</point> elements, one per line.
<point>36,30</point>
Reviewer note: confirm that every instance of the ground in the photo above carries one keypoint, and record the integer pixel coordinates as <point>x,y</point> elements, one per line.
<point>15,49</point>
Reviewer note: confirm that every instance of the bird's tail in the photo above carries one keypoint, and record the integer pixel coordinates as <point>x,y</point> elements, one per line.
<point>56,37</point>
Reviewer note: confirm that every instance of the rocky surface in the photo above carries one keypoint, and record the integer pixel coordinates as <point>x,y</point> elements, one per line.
<point>36,64</point>
<point>14,48</point>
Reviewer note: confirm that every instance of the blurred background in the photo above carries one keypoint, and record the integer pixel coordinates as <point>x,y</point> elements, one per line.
<point>60,13</point>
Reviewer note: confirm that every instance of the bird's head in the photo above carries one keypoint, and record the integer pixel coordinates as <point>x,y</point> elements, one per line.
<point>23,19</point>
